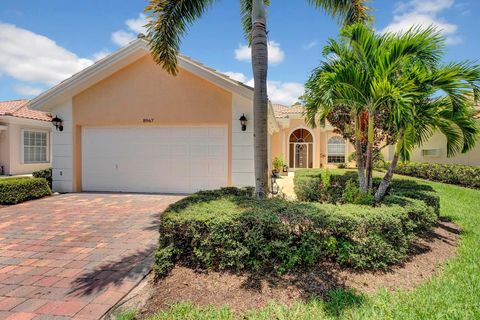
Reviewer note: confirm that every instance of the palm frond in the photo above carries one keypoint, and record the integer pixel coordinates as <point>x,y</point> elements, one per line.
<point>346,11</point>
<point>168,21</point>
<point>246,17</point>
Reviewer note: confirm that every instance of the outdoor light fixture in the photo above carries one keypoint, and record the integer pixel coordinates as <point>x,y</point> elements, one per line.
<point>243,122</point>
<point>57,123</point>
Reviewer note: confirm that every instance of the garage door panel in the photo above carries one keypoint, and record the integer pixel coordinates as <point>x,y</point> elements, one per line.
<point>162,159</point>
<point>217,132</point>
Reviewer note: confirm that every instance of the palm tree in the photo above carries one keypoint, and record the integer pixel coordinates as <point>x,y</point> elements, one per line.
<point>168,22</point>
<point>445,104</point>
<point>388,83</point>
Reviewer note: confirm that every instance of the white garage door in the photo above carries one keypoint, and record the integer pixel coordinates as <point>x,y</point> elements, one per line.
<point>154,159</point>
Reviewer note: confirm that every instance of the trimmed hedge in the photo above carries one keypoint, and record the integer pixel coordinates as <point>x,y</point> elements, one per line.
<point>466,176</point>
<point>309,185</point>
<point>16,190</point>
<point>228,230</point>
<point>46,174</point>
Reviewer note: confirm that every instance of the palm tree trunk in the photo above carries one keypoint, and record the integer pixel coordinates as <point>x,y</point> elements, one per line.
<point>360,164</point>
<point>382,189</point>
<point>260,97</point>
<point>369,160</point>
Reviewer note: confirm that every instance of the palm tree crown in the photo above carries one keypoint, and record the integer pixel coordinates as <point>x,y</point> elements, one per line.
<point>400,76</point>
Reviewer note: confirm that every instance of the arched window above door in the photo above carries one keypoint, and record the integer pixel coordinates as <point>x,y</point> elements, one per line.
<point>301,135</point>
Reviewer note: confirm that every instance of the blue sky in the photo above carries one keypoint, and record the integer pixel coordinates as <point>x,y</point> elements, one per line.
<point>44,42</point>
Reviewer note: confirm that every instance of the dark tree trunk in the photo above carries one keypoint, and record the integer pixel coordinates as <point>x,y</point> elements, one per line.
<point>369,160</point>
<point>360,166</point>
<point>260,97</point>
<point>360,160</point>
<point>382,189</point>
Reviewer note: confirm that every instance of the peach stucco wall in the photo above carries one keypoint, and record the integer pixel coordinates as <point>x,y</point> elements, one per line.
<point>143,90</point>
<point>4,147</point>
<point>280,142</point>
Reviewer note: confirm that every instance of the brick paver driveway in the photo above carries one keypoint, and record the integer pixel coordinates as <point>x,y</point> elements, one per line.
<point>75,255</point>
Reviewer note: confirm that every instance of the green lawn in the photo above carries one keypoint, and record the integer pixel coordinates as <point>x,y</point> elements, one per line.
<point>454,294</point>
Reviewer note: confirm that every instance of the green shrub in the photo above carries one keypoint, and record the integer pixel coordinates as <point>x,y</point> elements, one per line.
<point>319,185</point>
<point>378,159</point>
<point>228,230</point>
<point>278,164</point>
<point>46,174</point>
<point>16,190</point>
<point>461,175</point>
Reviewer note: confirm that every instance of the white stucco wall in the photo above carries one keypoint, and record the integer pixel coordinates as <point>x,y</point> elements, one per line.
<point>62,151</point>
<point>242,143</point>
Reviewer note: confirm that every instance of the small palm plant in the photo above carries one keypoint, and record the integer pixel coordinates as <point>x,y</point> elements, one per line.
<point>169,20</point>
<point>391,89</point>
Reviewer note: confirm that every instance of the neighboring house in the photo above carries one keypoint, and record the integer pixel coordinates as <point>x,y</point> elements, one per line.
<point>129,126</point>
<point>435,151</point>
<point>302,147</point>
<point>24,138</point>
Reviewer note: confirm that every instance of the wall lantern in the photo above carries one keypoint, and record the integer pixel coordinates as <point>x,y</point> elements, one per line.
<point>243,122</point>
<point>57,123</point>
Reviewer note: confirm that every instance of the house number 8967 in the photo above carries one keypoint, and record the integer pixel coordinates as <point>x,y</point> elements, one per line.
<point>148,120</point>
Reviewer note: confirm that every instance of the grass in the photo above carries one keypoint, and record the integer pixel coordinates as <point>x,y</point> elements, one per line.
<point>453,294</point>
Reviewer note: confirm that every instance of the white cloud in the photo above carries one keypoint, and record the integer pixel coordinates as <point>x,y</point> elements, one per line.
<point>310,45</point>
<point>28,56</point>
<point>236,76</point>
<point>28,91</point>
<point>122,38</point>
<point>100,55</point>
<point>138,25</point>
<point>286,93</point>
<point>275,53</point>
<point>134,27</point>
<point>424,13</point>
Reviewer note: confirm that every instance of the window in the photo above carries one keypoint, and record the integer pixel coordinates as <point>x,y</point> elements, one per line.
<point>35,146</point>
<point>336,150</point>
<point>431,152</point>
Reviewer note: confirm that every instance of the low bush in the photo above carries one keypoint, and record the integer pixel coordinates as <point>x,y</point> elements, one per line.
<point>329,186</point>
<point>309,185</point>
<point>46,174</point>
<point>16,190</point>
<point>467,176</point>
<point>228,230</point>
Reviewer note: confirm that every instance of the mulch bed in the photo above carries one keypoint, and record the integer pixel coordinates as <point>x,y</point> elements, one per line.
<point>246,291</point>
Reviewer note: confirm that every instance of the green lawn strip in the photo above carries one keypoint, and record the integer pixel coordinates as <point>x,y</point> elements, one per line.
<point>454,294</point>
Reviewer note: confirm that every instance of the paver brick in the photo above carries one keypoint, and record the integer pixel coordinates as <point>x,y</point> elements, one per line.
<point>75,255</point>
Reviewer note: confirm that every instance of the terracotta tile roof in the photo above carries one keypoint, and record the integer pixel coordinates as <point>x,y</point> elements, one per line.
<point>282,111</point>
<point>19,109</point>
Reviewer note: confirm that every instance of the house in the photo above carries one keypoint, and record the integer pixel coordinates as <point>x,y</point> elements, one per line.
<point>435,150</point>
<point>24,138</point>
<point>126,125</point>
<point>129,126</point>
<point>303,147</point>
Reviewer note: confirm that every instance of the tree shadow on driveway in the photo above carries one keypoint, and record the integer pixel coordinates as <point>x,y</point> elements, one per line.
<point>121,275</point>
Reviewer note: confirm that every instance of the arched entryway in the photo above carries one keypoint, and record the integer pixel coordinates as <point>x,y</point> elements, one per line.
<point>301,149</point>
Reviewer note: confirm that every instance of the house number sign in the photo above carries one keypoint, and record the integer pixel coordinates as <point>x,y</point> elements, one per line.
<point>148,120</point>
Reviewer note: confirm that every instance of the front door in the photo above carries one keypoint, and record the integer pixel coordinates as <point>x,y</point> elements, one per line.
<point>301,155</point>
